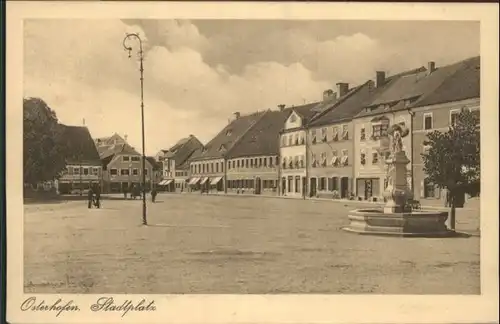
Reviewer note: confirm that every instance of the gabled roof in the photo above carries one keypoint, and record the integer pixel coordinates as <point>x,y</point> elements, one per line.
<point>416,87</point>
<point>308,111</point>
<point>117,149</point>
<point>154,164</point>
<point>183,149</point>
<point>79,145</point>
<point>228,136</point>
<point>465,83</point>
<point>346,108</point>
<point>263,138</point>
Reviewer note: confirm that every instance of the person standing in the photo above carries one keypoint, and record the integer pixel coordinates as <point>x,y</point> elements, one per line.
<point>90,197</point>
<point>153,194</point>
<point>98,196</point>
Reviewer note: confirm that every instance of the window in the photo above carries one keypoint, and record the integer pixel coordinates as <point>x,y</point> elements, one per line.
<point>323,135</point>
<point>296,139</point>
<point>428,189</point>
<point>335,133</point>
<point>290,179</point>
<point>379,130</point>
<point>297,184</point>
<point>290,140</point>
<point>453,116</point>
<point>265,161</point>
<point>301,136</point>
<point>344,160</point>
<point>124,172</point>
<point>222,167</point>
<point>125,158</point>
<point>145,171</point>
<point>363,158</point>
<point>313,136</point>
<point>345,132</point>
<point>335,158</point>
<point>330,184</point>
<point>427,121</point>
<point>76,170</point>
<point>95,171</point>
<point>322,184</point>
<point>246,163</point>
<point>363,134</point>
<point>313,160</point>
<point>136,158</point>
<point>217,167</point>
<point>284,163</point>
<point>251,162</point>
<point>296,162</point>
<point>85,171</point>
<point>374,158</point>
<point>283,140</point>
<point>323,159</point>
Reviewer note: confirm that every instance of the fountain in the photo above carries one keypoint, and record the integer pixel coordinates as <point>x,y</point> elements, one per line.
<point>396,217</point>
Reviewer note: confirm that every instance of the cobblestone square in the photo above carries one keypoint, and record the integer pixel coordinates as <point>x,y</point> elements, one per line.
<point>234,245</point>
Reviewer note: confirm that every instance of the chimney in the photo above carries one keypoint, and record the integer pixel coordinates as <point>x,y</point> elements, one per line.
<point>281,107</point>
<point>125,137</point>
<point>327,94</point>
<point>380,79</point>
<point>237,115</point>
<point>431,67</point>
<point>342,88</point>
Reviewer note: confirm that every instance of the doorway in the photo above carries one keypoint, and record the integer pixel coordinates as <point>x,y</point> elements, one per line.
<point>344,187</point>
<point>313,187</point>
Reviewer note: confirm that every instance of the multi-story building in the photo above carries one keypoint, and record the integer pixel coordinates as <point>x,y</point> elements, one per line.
<point>174,166</point>
<point>330,152</point>
<point>293,148</point>
<point>459,89</point>
<point>105,143</point>
<point>252,164</point>
<point>122,166</point>
<point>208,167</point>
<point>83,164</point>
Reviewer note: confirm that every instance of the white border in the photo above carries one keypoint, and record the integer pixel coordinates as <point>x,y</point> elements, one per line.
<point>267,308</point>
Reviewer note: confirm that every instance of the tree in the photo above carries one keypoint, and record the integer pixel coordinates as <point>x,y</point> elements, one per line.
<point>43,145</point>
<point>452,160</point>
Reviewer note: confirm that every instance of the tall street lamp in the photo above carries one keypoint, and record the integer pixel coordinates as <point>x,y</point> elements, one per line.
<point>141,69</point>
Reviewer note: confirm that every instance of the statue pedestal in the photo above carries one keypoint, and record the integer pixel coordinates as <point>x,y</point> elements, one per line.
<point>397,191</point>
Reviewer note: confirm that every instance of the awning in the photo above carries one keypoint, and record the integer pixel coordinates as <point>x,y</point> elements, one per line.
<point>194,181</point>
<point>204,180</point>
<point>215,180</point>
<point>165,182</point>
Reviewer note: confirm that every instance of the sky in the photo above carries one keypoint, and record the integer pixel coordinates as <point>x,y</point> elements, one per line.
<point>197,73</point>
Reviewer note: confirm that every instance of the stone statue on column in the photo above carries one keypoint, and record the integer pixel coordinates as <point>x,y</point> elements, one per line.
<point>397,191</point>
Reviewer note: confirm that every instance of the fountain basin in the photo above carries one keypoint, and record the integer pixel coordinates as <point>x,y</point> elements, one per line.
<point>414,223</point>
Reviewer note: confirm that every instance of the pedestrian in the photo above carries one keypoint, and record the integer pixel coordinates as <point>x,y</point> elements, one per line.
<point>153,194</point>
<point>98,196</point>
<point>90,197</point>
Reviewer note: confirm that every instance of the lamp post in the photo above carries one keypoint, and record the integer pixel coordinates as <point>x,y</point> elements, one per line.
<point>141,69</point>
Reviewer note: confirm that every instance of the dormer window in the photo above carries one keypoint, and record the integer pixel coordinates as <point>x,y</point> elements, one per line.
<point>222,148</point>
<point>229,132</point>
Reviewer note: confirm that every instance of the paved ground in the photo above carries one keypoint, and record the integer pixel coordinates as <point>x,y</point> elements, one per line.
<point>212,244</point>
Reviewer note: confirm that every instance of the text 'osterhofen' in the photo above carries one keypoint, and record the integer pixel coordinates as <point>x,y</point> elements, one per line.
<point>108,304</point>
<point>59,306</point>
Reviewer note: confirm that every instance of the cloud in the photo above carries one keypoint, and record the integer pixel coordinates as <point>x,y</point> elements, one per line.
<point>193,82</point>
<point>82,70</point>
